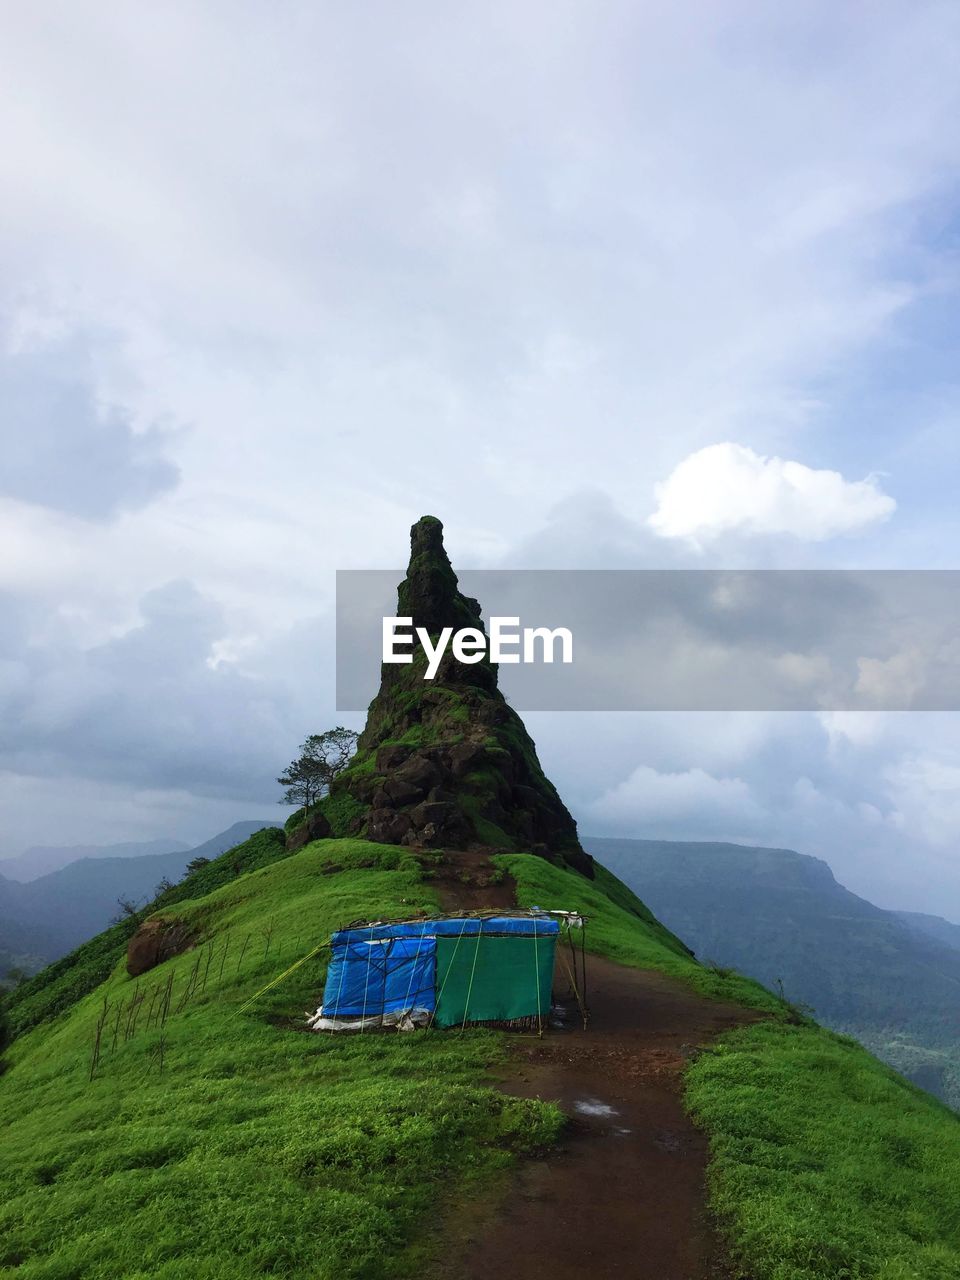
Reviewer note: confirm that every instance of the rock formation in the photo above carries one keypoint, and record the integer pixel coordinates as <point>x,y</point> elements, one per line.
<point>446,762</point>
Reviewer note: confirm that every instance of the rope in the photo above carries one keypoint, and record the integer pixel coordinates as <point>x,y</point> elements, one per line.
<point>573,983</point>
<point>449,971</point>
<point>270,985</point>
<point>413,970</point>
<point>366,980</point>
<point>343,970</point>
<point>536,965</point>
<point>473,970</point>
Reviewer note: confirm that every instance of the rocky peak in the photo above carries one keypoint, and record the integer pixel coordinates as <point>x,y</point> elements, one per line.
<point>446,762</point>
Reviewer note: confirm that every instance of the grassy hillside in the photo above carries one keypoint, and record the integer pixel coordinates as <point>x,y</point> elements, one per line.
<point>257,1148</point>
<point>825,1163</point>
<point>56,912</point>
<point>61,984</point>
<point>252,1148</point>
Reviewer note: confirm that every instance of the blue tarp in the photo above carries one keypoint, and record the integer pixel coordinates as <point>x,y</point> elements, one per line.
<point>467,927</point>
<point>372,976</point>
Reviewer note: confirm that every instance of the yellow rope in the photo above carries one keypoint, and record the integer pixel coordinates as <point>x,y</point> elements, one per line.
<point>536,967</point>
<point>416,960</point>
<point>270,985</point>
<point>436,1003</point>
<point>573,984</point>
<point>473,970</point>
<point>366,981</point>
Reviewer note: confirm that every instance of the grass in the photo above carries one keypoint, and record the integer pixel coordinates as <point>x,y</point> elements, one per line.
<point>259,1149</point>
<point>262,1150</point>
<point>622,928</point>
<point>63,983</point>
<point>826,1163</point>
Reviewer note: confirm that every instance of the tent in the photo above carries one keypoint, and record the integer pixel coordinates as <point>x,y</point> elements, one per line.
<point>446,972</point>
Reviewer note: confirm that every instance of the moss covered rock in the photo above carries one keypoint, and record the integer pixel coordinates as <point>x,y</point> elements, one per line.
<point>447,762</point>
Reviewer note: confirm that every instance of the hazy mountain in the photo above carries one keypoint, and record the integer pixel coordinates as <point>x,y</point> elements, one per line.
<point>51,915</point>
<point>932,926</point>
<point>890,978</point>
<point>40,860</point>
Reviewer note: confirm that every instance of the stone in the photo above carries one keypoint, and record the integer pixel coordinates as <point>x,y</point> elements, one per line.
<point>390,756</point>
<point>419,772</point>
<point>155,941</point>
<point>462,756</point>
<point>387,826</point>
<point>314,827</point>
<point>402,790</point>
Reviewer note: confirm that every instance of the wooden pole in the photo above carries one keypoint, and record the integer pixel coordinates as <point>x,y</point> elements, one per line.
<point>583,957</point>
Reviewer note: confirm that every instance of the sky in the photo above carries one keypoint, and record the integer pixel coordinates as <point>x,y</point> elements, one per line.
<point>601,285</point>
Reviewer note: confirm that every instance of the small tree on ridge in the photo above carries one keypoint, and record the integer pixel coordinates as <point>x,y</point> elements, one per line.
<point>322,757</point>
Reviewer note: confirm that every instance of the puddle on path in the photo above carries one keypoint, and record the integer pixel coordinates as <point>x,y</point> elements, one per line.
<point>594,1108</point>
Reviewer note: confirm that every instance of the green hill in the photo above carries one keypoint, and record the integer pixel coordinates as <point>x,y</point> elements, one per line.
<point>227,1143</point>
<point>50,915</point>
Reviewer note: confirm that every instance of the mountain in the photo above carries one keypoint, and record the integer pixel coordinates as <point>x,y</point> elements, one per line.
<point>931,926</point>
<point>890,978</point>
<point>164,1112</point>
<point>445,762</point>
<point>47,917</point>
<point>42,859</point>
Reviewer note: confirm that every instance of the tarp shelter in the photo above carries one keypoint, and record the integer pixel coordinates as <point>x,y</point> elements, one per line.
<point>450,971</point>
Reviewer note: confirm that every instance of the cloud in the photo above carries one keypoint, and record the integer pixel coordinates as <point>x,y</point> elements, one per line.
<point>65,450</point>
<point>461,275</point>
<point>728,488</point>
<point>926,791</point>
<point>687,802</point>
<point>155,708</point>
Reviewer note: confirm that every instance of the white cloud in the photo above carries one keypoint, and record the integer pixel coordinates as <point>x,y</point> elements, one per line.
<point>727,488</point>
<point>689,802</point>
<point>926,790</point>
<point>367,268</point>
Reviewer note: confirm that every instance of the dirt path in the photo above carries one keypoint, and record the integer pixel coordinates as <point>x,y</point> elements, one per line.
<point>624,1194</point>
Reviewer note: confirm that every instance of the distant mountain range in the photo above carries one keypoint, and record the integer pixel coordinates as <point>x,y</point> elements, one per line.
<point>42,859</point>
<point>890,978</point>
<point>44,918</point>
<point>932,926</point>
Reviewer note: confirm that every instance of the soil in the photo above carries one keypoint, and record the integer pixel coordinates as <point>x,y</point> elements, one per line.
<point>468,881</point>
<point>624,1193</point>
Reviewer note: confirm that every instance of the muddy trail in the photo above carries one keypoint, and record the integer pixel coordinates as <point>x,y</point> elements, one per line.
<point>623,1195</point>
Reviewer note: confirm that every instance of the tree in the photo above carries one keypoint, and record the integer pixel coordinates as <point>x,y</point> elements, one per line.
<point>195,864</point>
<point>128,909</point>
<point>322,757</point>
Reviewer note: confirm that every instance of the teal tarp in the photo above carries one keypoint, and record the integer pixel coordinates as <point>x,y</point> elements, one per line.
<point>493,979</point>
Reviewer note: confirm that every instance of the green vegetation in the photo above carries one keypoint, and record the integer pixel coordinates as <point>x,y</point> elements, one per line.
<point>825,1163</point>
<point>226,1143</point>
<point>5,1033</point>
<point>343,812</point>
<point>622,928</point>
<point>63,983</point>
<point>255,1148</point>
<point>323,757</point>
